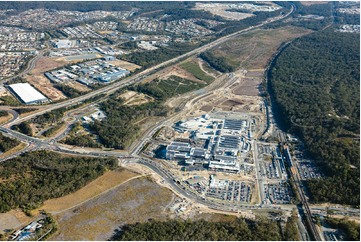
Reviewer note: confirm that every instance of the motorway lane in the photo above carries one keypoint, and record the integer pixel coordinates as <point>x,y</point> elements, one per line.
<point>40,144</point>
<point>138,77</point>
<point>221,205</point>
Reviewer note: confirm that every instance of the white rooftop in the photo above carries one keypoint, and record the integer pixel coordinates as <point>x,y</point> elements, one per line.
<point>27,93</point>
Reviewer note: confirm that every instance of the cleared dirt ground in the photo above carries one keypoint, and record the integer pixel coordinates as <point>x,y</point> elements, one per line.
<point>135,98</point>
<point>12,219</point>
<point>309,3</point>
<point>124,64</point>
<point>36,78</point>
<point>172,71</point>
<point>254,49</point>
<point>136,201</point>
<point>220,10</point>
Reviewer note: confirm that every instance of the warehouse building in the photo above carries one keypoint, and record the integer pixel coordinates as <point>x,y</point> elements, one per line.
<point>27,94</point>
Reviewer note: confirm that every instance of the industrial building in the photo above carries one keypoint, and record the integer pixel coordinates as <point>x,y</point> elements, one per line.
<point>112,76</point>
<point>27,94</point>
<point>64,43</point>
<point>88,73</point>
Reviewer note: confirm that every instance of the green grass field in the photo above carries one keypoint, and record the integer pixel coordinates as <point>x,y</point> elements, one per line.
<point>193,67</point>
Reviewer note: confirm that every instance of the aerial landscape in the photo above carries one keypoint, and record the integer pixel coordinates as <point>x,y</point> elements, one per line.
<point>180,121</point>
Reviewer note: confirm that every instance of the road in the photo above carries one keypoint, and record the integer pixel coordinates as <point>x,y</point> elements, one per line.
<point>35,143</point>
<point>138,77</point>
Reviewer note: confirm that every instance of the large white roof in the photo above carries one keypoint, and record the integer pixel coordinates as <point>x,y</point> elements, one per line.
<point>27,93</point>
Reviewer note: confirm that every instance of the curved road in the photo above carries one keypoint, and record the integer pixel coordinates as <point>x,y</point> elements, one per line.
<point>138,77</point>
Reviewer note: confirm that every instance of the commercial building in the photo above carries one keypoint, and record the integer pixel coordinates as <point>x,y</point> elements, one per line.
<point>27,94</point>
<point>63,43</point>
<point>221,143</point>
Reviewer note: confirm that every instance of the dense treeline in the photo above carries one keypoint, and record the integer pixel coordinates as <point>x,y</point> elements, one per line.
<point>69,91</point>
<point>291,232</point>
<point>30,179</point>
<point>51,117</point>
<point>24,110</point>
<point>322,9</point>
<point>186,13</point>
<point>7,143</point>
<point>179,230</point>
<point>52,130</point>
<point>219,63</point>
<point>150,58</point>
<point>9,100</point>
<point>119,129</point>
<point>350,228</point>
<point>23,127</point>
<point>316,84</point>
<point>3,113</point>
<point>130,45</point>
<point>74,138</point>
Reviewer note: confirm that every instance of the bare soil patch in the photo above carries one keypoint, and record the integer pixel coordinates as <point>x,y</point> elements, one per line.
<point>124,64</point>
<point>232,103</point>
<point>249,87</point>
<point>206,108</point>
<point>78,86</point>
<point>309,3</point>
<point>134,98</point>
<point>13,219</point>
<point>41,83</point>
<point>46,64</point>
<point>135,201</point>
<point>255,73</point>
<point>172,71</point>
<point>254,49</point>
<point>220,10</point>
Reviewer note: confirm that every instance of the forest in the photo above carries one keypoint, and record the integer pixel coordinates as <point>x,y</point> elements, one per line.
<point>69,91</point>
<point>7,143</point>
<point>30,179</point>
<point>315,85</point>
<point>186,230</point>
<point>3,113</point>
<point>219,63</point>
<point>122,124</point>
<point>152,57</point>
<point>74,138</point>
<point>350,228</point>
<point>23,127</point>
<point>119,129</point>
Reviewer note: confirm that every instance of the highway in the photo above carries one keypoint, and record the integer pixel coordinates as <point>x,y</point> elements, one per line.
<point>37,144</point>
<point>138,77</point>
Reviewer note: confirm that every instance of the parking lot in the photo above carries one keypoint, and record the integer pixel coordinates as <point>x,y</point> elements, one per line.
<point>235,191</point>
<point>274,169</point>
<point>308,170</point>
<point>279,193</point>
